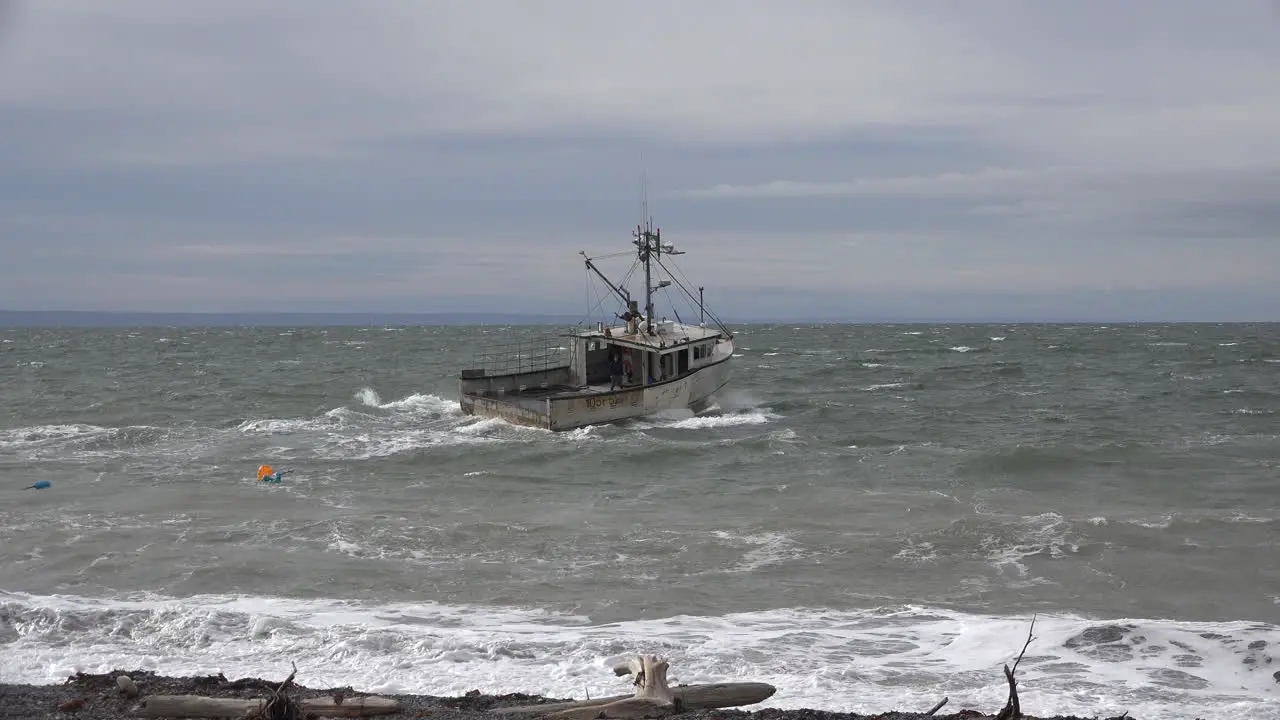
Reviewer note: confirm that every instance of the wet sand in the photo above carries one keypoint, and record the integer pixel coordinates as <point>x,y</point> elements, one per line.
<point>97,697</point>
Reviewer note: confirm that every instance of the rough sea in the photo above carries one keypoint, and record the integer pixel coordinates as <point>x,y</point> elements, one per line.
<point>868,519</point>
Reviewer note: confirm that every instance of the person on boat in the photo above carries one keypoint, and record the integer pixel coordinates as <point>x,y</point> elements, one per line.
<point>632,318</point>
<point>615,371</point>
<point>628,370</point>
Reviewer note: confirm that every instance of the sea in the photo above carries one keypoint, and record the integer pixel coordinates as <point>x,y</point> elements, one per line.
<point>871,517</point>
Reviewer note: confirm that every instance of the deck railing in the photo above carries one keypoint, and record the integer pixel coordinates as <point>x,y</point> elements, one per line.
<point>521,356</point>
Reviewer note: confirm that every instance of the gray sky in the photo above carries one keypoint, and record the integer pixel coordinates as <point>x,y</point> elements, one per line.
<point>993,158</point>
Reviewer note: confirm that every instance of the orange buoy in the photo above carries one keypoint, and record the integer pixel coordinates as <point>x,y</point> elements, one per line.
<point>264,470</point>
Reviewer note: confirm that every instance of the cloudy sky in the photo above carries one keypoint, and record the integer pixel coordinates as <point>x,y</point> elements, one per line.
<point>1062,159</point>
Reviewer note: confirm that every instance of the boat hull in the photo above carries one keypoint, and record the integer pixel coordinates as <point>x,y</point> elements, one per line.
<point>575,409</point>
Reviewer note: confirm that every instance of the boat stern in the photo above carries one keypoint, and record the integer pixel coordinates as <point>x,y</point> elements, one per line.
<point>529,412</point>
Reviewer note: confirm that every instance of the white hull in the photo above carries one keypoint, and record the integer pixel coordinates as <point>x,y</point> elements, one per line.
<point>692,392</point>
<point>593,405</point>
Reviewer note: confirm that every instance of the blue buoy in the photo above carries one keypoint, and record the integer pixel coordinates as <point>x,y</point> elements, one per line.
<point>40,485</point>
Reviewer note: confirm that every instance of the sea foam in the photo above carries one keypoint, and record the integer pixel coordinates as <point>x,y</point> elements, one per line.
<point>860,661</point>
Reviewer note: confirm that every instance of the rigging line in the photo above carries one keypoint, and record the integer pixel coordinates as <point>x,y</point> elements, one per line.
<point>714,317</point>
<point>630,271</point>
<point>674,311</point>
<point>681,271</point>
<point>603,296</point>
<point>612,255</point>
<point>693,303</point>
<point>667,292</point>
<point>599,300</point>
<point>586,291</point>
<point>690,295</point>
<point>627,278</point>
<point>676,281</point>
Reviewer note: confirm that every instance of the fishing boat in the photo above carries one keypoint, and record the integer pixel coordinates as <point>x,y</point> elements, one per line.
<point>636,366</point>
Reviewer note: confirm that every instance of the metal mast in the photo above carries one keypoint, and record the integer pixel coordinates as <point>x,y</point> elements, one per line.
<point>648,242</point>
<point>650,248</point>
<point>644,241</point>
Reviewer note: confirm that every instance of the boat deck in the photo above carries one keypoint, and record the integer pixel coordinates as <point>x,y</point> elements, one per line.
<point>533,398</point>
<point>666,335</point>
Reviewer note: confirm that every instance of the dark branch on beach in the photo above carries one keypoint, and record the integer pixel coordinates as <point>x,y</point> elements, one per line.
<point>279,706</point>
<point>1012,709</point>
<point>937,707</point>
<point>282,707</point>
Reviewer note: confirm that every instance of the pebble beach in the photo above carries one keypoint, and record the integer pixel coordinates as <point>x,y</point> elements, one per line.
<point>87,696</point>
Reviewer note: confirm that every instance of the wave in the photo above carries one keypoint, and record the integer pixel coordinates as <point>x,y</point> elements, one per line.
<point>712,418</point>
<point>889,386</point>
<point>927,350</point>
<point>367,428</point>
<point>849,660</point>
<point>49,434</point>
<point>1022,460</point>
<point>982,369</point>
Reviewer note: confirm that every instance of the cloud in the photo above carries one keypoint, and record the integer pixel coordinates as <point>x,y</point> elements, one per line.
<point>403,154</point>
<point>225,83</point>
<point>1212,202</point>
<point>297,78</point>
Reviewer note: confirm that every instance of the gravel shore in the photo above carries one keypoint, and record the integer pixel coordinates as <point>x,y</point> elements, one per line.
<point>97,697</point>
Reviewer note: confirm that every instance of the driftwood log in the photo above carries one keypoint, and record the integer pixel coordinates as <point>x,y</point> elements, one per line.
<point>196,706</point>
<point>653,697</point>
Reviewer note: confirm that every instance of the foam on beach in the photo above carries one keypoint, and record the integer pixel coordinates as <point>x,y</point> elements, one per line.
<point>856,661</point>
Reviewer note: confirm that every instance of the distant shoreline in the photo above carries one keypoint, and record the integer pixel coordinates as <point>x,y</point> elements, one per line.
<point>94,318</point>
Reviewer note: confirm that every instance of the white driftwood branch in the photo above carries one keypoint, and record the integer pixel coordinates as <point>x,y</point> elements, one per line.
<point>651,678</point>
<point>653,697</point>
<point>196,706</point>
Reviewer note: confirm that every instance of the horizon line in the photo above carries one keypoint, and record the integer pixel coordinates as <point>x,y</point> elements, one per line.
<point>105,318</point>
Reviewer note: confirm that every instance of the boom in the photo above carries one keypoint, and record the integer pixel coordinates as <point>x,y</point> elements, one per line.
<point>620,292</point>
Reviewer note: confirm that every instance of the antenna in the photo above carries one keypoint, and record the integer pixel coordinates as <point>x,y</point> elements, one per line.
<point>648,243</point>
<point>644,197</point>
